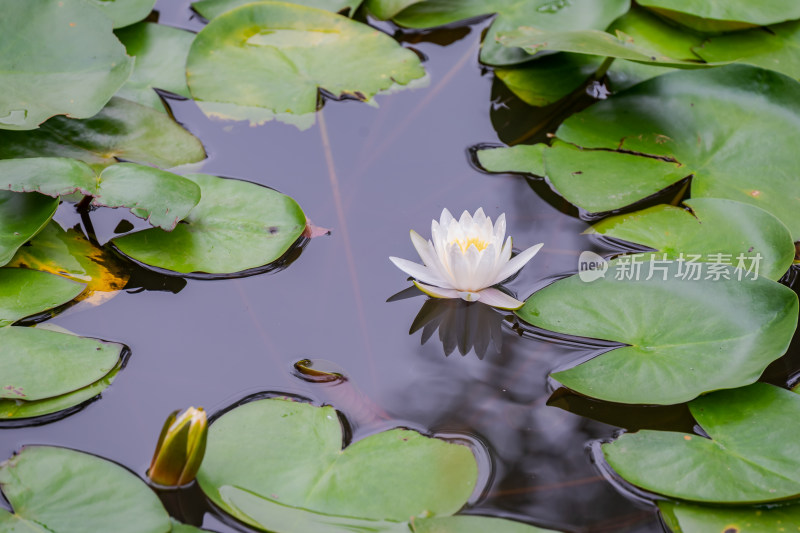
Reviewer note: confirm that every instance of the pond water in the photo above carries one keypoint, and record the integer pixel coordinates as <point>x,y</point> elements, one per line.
<point>370,175</point>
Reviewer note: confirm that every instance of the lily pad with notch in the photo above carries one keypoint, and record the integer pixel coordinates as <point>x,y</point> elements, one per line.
<point>160,197</point>
<point>561,15</point>
<point>750,449</point>
<point>281,55</point>
<point>289,453</point>
<point>678,125</point>
<point>235,227</point>
<point>680,337</point>
<point>713,229</point>
<point>122,130</point>
<point>57,57</point>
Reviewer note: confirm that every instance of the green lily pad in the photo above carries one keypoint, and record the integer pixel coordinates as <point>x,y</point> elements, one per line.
<point>21,409</point>
<point>686,123</point>
<point>523,158</point>
<point>511,14</point>
<point>273,516</point>
<point>158,196</point>
<point>68,63</point>
<point>124,12</point>
<point>687,518</point>
<point>291,453</point>
<point>236,226</point>
<point>36,363</point>
<point>69,491</point>
<point>682,336</point>
<point>748,458</point>
<point>213,8</point>
<point>550,78</point>
<point>22,216</point>
<point>388,9</point>
<point>160,53</point>
<point>775,48</point>
<point>742,11</point>
<point>69,254</point>
<point>29,292</point>
<point>715,230</point>
<point>122,130</point>
<point>281,55</point>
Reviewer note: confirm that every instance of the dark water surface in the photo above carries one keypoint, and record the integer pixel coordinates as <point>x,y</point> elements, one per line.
<point>388,169</point>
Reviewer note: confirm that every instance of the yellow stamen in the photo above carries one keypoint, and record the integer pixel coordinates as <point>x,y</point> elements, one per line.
<point>479,244</point>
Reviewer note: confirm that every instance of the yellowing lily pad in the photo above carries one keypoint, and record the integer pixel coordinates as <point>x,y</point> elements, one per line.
<point>69,254</point>
<point>280,56</point>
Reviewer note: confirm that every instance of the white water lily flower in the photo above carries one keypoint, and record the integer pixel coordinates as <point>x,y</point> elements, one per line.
<point>465,258</point>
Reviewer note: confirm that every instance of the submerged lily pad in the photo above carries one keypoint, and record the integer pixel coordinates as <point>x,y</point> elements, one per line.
<point>751,450</point>
<point>682,124</point>
<point>21,217</point>
<point>775,48</point>
<point>291,453</point>
<point>682,336</point>
<point>70,255</point>
<point>160,197</point>
<point>236,226</point>
<point>214,8</point>
<point>28,292</point>
<point>511,14</point>
<point>57,57</point>
<point>160,53</point>
<point>122,130</point>
<point>61,490</point>
<point>715,230</point>
<point>687,518</point>
<point>124,12</point>
<point>281,55</point>
<point>36,363</point>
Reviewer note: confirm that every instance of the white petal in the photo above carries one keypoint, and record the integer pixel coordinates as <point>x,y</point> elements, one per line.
<point>485,270</point>
<point>445,218</point>
<point>437,292</point>
<point>469,296</point>
<point>499,299</point>
<point>500,228</point>
<point>419,272</point>
<point>479,218</point>
<point>505,255</point>
<point>459,267</point>
<point>428,255</point>
<point>465,220</point>
<point>513,266</point>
